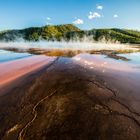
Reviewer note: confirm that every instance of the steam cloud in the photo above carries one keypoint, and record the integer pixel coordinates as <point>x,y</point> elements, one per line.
<point>64,45</point>
<point>84,43</point>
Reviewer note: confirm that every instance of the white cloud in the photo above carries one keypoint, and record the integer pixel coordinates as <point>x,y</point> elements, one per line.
<point>115,16</point>
<point>93,15</point>
<point>48,18</point>
<point>100,7</point>
<point>78,21</point>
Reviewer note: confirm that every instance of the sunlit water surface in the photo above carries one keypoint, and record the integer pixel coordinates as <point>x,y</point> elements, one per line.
<point>87,59</point>
<point>103,62</point>
<point>9,56</point>
<point>134,58</point>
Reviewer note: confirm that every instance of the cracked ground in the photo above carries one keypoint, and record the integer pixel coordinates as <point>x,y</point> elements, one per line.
<point>65,101</point>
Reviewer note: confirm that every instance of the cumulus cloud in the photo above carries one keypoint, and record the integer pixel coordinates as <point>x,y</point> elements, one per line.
<point>115,16</point>
<point>93,15</point>
<point>99,7</point>
<point>48,18</point>
<point>48,21</point>
<point>78,21</point>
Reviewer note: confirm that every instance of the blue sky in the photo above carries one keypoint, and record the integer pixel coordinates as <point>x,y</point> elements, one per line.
<point>86,14</point>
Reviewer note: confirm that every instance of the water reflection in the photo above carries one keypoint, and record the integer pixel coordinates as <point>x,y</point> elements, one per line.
<point>9,56</point>
<point>98,61</point>
<point>134,58</point>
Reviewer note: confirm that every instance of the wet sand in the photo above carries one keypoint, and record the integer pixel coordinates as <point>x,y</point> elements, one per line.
<point>71,100</point>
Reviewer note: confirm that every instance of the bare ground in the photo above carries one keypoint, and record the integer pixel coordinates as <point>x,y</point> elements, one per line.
<point>65,101</point>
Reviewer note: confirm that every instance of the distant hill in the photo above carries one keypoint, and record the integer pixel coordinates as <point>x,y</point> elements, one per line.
<point>36,33</point>
<point>70,32</point>
<point>107,35</point>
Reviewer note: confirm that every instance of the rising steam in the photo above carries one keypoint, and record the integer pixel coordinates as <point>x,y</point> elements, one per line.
<point>64,45</point>
<point>86,43</point>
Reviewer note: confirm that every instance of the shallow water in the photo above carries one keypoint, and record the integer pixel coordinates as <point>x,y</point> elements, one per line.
<point>121,75</point>
<point>98,59</point>
<point>103,61</point>
<point>9,56</point>
<point>134,58</point>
